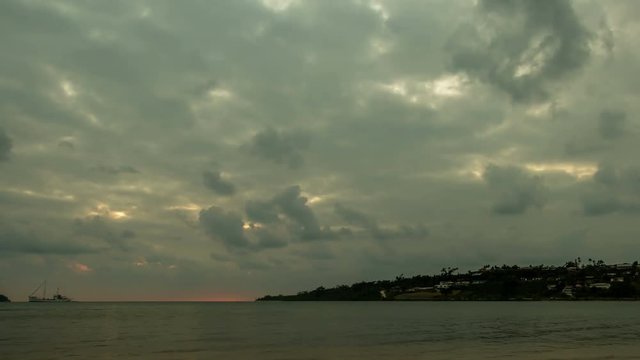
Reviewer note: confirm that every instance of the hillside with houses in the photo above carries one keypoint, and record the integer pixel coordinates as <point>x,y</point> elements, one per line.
<point>575,280</point>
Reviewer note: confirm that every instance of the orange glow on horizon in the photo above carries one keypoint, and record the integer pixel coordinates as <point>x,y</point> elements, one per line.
<point>230,298</point>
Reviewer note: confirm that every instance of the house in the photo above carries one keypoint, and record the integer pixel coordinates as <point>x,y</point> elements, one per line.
<point>567,291</point>
<point>444,285</point>
<point>623,266</point>
<point>419,289</point>
<point>603,286</point>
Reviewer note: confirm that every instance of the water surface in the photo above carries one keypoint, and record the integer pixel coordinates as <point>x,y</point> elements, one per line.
<point>321,330</point>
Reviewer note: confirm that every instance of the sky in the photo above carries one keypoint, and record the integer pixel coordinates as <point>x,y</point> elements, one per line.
<point>224,150</point>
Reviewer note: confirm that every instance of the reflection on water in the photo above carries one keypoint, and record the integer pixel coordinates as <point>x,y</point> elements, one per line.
<point>327,330</point>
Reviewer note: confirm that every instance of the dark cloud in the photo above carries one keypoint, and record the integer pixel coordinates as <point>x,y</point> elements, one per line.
<point>581,147</point>
<point>214,182</point>
<point>600,204</point>
<point>26,241</point>
<point>269,240</point>
<point>5,145</point>
<point>606,36</point>
<point>288,210</point>
<point>261,211</point>
<point>363,221</point>
<point>116,170</point>
<point>616,178</point>
<point>354,217</point>
<point>607,175</point>
<point>596,204</point>
<point>522,46</point>
<point>611,124</point>
<point>370,225</point>
<point>224,226</point>
<point>280,147</point>
<point>412,232</point>
<point>97,227</point>
<point>66,144</point>
<point>514,188</point>
<point>613,190</point>
<point>293,205</point>
<point>220,257</point>
<point>277,221</point>
<point>317,253</point>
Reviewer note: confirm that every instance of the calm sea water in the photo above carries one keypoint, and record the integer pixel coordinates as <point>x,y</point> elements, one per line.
<point>324,330</point>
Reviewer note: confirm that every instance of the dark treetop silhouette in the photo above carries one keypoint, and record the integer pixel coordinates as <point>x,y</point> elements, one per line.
<point>575,280</point>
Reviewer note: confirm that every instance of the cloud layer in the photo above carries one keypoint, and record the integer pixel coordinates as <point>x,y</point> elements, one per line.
<point>192,150</point>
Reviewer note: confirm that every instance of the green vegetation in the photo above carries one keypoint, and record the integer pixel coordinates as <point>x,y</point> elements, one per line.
<point>3,298</point>
<point>576,280</point>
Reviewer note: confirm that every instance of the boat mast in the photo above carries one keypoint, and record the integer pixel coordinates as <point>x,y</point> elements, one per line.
<point>38,288</point>
<point>44,293</point>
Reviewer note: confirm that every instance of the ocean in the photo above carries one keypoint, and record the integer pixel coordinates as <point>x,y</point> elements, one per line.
<point>321,330</point>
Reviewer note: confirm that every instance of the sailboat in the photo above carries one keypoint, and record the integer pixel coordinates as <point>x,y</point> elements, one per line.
<point>56,298</point>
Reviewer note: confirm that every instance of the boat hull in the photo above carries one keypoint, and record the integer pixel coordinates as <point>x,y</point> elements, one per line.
<point>41,300</point>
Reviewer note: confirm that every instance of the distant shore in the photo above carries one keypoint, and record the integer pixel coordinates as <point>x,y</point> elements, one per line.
<point>576,280</point>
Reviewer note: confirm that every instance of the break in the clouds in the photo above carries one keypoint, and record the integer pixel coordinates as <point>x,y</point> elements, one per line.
<point>202,150</point>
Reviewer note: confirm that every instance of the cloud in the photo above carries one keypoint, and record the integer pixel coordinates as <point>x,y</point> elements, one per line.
<point>273,223</point>
<point>607,174</point>
<point>280,147</point>
<point>116,170</point>
<point>98,227</point>
<point>270,240</point>
<point>619,178</point>
<point>515,189</point>
<point>612,190</point>
<point>612,124</point>
<point>5,145</point>
<point>26,241</point>
<point>261,211</point>
<point>369,225</point>
<point>66,144</point>
<point>600,204</point>
<point>214,182</point>
<point>522,47</point>
<point>224,226</point>
<point>293,205</point>
<point>356,218</point>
